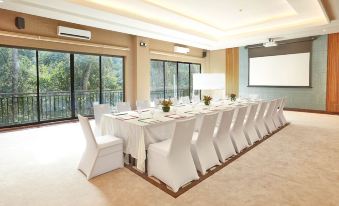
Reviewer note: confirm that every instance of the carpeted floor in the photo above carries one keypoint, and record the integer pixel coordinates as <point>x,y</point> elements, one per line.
<point>297,166</point>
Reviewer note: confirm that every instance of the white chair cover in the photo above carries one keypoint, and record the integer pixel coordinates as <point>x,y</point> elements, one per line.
<point>196,99</point>
<point>281,115</point>
<point>275,114</point>
<point>268,118</point>
<point>123,107</point>
<point>174,100</point>
<point>203,152</point>
<point>99,111</point>
<point>143,104</point>
<point>249,126</point>
<point>185,100</point>
<point>102,154</point>
<point>222,140</point>
<point>237,131</point>
<point>259,120</point>
<point>171,161</point>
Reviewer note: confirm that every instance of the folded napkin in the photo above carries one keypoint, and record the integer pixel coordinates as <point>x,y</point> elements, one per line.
<point>127,117</point>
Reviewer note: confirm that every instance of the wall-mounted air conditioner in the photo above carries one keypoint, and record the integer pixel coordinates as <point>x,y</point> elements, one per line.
<point>74,33</point>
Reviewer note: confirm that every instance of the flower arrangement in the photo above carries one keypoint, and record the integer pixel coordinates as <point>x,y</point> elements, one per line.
<point>207,100</point>
<point>233,97</point>
<point>166,105</point>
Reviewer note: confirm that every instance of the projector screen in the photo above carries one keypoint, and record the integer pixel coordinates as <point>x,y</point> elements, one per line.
<point>288,70</point>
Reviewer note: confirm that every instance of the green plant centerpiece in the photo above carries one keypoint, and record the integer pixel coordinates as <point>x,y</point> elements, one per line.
<point>207,100</point>
<point>233,97</point>
<point>166,105</point>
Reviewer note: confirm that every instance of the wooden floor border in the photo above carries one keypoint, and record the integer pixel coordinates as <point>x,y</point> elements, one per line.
<point>187,187</point>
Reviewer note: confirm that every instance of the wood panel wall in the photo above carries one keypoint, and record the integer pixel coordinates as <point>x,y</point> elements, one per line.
<point>332,100</point>
<point>232,71</point>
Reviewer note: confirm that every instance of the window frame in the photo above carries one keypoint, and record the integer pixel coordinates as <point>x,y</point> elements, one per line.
<point>72,91</point>
<point>177,77</point>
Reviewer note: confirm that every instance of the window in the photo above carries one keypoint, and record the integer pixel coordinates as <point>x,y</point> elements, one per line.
<point>39,86</point>
<point>112,79</point>
<point>18,90</point>
<point>172,79</point>
<point>86,83</point>
<point>54,85</point>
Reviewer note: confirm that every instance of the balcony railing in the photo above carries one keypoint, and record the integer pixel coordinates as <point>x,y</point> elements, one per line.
<point>22,108</point>
<point>170,93</point>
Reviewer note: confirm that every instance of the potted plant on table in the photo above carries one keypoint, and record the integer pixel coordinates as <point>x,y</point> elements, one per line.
<point>233,97</point>
<point>166,105</point>
<point>207,100</point>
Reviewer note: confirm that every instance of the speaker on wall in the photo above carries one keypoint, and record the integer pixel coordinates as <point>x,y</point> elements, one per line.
<point>20,22</point>
<point>204,53</point>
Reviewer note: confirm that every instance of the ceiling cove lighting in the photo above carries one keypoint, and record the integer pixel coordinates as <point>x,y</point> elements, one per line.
<point>181,49</point>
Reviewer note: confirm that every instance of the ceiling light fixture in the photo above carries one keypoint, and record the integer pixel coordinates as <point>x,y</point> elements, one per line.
<point>181,49</point>
<point>270,43</point>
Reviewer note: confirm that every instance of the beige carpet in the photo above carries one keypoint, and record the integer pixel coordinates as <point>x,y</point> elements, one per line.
<point>297,166</point>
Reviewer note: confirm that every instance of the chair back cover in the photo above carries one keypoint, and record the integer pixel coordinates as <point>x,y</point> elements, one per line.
<point>271,108</point>
<point>143,104</point>
<point>88,133</point>
<point>207,128</point>
<point>225,124</point>
<point>181,140</point>
<point>99,110</point>
<point>123,107</point>
<point>262,110</point>
<point>239,120</point>
<point>185,100</point>
<point>252,112</point>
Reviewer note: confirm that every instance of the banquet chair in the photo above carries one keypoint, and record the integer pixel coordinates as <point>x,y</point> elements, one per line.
<point>174,100</point>
<point>123,107</point>
<point>99,111</point>
<point>249,125</point>
<point>196,99</point>
<point>221,139</point>
<point>268,118</point>
<point>237,130</point>
<point>202,149</point>
<point>275,114</point>
<point>185,100</point>
<point>171,160</point>
<point>102,153</point>
<point>260,122</point>
<point>143,104</point>
<point>281,112</point>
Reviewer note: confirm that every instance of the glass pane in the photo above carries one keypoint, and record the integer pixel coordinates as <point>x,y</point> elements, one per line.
<point>18,89</point>
<point>54,85</point>
<point>170,80</point>
<point>183,79</point>
<point>86,83</point>
<point>157,80</point>
<point>195,68</point>
<point>112,79</point>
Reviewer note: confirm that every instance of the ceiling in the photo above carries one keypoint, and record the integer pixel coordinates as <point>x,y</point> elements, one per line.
<point>212,24</point>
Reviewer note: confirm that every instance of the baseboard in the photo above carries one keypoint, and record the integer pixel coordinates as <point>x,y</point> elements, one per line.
<point>311,111</point>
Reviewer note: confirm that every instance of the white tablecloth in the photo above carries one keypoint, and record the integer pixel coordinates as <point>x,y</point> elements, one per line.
<point>140,130</point>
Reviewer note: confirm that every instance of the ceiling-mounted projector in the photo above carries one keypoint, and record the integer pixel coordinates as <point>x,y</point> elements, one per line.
<point>270,43</point>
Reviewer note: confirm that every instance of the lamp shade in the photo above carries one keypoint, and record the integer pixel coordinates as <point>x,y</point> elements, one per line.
<point>208,81</point>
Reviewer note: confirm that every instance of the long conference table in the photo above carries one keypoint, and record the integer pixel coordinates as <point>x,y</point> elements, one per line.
<point>141,128</point>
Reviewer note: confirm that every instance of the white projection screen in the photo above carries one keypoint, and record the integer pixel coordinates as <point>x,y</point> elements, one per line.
<point>288,70</point>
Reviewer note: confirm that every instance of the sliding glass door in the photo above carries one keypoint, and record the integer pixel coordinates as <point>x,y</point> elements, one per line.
<point>54,85</point>
<point>112,79</point>
<point>41,86</point>
<point>171,79</point>
<point>86,83</point>
<point>18,91</point>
